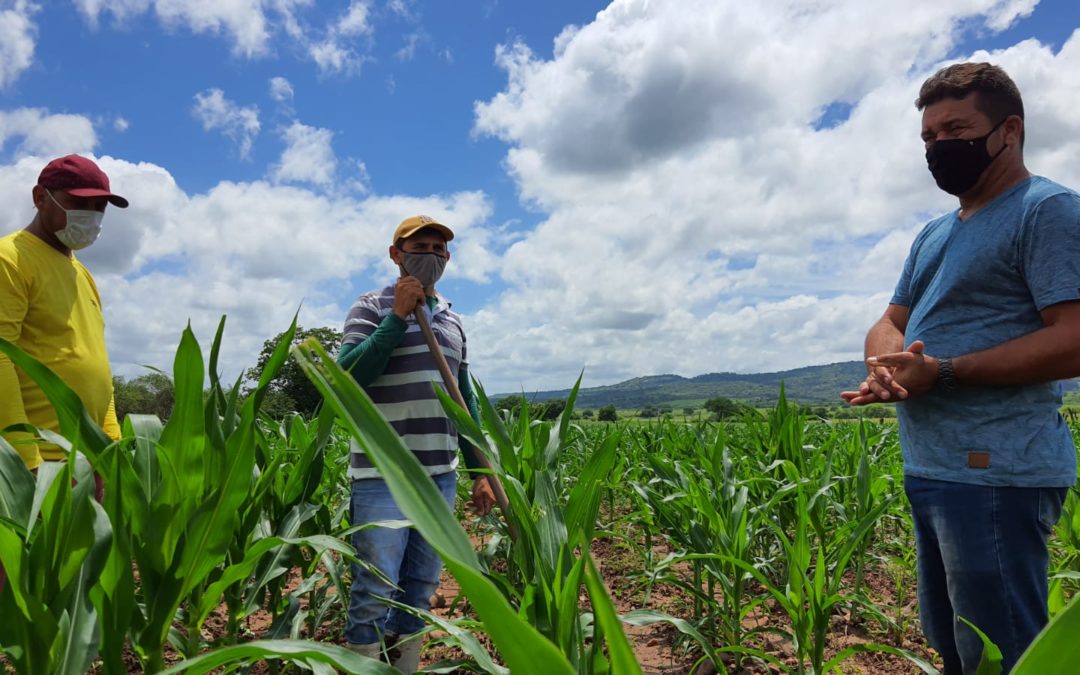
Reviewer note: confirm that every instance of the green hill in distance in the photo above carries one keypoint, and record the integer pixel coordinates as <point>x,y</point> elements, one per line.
<point>812,385</point>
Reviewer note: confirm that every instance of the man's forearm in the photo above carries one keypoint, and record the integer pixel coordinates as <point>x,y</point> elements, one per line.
<point>368,359</point>
<point>883,338</point>
<point>1050,353</point>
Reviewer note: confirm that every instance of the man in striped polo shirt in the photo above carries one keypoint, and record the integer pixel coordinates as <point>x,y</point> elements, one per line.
<point>385,351</point>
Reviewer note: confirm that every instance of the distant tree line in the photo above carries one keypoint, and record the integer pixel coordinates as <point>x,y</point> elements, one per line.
<point>538,410</point>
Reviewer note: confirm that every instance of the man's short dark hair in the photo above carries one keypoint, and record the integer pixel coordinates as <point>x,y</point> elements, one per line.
<point>425,230</point>
<point>997,95</point>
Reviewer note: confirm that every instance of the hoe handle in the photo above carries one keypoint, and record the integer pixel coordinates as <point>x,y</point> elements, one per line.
<point>450,380</point>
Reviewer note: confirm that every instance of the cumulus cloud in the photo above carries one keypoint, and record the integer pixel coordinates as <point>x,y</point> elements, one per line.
<point>217,113</point>
<point>18,35</point>
<point>251,250</point>
<point>121,124</point>
<point>36,131</point>
<point>339,51</point>
<point>308,156</point>
<point>697,218</point>
<point>341,47</point>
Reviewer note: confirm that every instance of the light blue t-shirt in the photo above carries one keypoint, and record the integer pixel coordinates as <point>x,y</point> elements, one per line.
<point>974,284</point>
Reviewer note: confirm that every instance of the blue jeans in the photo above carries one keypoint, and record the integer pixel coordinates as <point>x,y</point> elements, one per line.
<point>981,556</point>
<point>401,554</point>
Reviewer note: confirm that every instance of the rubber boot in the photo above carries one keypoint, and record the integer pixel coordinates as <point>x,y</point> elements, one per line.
<point>407,654</point>
<point>372,651</point>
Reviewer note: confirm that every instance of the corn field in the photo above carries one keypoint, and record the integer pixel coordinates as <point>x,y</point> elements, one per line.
<point>766,530</point>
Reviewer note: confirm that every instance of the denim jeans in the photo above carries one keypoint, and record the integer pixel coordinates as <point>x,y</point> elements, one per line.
<point>401,554</point>
<point>981,556</point>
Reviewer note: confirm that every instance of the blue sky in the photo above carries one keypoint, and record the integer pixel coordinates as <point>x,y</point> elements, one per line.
<point>639,188</point>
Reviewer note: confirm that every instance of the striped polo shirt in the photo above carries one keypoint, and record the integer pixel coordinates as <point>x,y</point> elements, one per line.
<point>404,392</point>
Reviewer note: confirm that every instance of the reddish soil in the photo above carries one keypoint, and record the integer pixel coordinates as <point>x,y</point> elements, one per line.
<point>660,648</point>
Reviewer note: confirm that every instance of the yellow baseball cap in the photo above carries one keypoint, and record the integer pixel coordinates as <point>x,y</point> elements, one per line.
<point>414,224</point>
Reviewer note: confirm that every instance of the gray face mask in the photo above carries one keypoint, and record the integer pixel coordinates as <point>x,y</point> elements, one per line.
<point>426,267</point>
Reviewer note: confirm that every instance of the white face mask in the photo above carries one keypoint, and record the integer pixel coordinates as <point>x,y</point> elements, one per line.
<point>82,229</point>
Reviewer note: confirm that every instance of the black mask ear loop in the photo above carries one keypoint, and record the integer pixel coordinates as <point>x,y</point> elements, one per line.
<point>991,133</point>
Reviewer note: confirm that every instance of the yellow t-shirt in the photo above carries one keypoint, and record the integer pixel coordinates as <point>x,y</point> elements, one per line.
<point>50,308</point>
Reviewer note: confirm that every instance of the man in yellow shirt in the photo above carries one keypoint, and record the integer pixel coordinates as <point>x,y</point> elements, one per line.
<point>50,307</point>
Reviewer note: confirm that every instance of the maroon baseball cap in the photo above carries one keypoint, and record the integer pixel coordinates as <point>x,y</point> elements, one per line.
<point>80,177</point>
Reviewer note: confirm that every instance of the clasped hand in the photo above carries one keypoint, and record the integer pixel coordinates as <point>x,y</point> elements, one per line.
<point>895,377</point>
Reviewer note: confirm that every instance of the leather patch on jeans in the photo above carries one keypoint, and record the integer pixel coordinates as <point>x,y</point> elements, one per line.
<point>978,460</point>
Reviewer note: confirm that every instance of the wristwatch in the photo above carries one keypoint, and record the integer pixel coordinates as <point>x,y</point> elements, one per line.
<point>946,376</point>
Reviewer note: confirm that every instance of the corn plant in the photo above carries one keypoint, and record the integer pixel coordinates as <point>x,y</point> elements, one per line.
<point>1065,575</point>
<point>54,541</point>
<point>175,495</point>
<point>705,512</point>
<point>523,648</point>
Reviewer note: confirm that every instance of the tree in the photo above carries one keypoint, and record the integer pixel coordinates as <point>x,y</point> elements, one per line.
<point>688,411</point>
<point>587,413</point>
<point>291,390</point>
<point>648,411</point>
<point>514,403</point>
<point>607,414</point>
<point>150,394</point>
<point>552,409</point>
<point>722,407</point>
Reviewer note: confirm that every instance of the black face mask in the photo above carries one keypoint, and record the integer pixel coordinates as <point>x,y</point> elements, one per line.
<point>957,163</point>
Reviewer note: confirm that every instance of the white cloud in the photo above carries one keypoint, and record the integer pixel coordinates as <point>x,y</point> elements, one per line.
<point>402,8</point>
<point>217,113</point>
<point>355,20</point>
<point>243,20</point>
<point>121,124</point>
<point>336,53</point>
<point>281,90</point>
<point>412,41</point>
<point>17,40</point>
<point>122,10</point>
<point>36,131</point>
<point>341,47</point>
<point>695,219</point>
<point>308,156</point>
<point>254,251</point>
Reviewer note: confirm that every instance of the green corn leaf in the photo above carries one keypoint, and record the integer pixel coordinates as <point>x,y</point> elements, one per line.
<point>619,650</point>
<point>647,617</point>
<point>76,424</point>
<point>77,643</point>
<point>990,661</point>
<point>584,501</point>
<point>841,656</point>
<point>522,647</point>
<point>184,437</point>
<point>464,639</point>
<point>303,652</point>
<point>16,487</point>
<point>1056,650</point>
<point>493,422</point>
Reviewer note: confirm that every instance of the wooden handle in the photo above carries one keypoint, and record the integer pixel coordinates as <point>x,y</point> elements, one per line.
<point>450,380</point>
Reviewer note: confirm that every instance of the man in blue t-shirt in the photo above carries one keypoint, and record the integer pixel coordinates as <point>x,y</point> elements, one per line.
<point>984,321</point>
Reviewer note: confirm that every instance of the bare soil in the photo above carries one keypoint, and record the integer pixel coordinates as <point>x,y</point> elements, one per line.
<point>660,648</point>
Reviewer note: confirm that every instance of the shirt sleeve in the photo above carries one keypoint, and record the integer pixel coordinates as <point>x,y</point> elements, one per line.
<point>1049,250</point>
<point>13,306</point>
<point>366,360</point>
<point>902,293</point>
<point>362,320</point>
